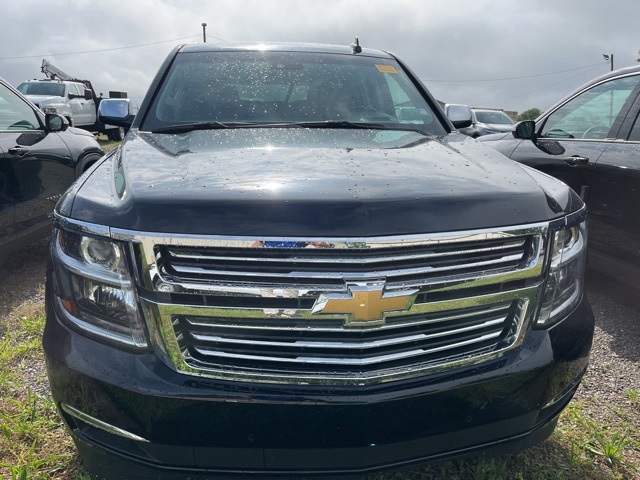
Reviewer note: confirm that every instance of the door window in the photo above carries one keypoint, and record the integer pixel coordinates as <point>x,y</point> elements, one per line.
<point>591,114</point>
<point>15,113</point>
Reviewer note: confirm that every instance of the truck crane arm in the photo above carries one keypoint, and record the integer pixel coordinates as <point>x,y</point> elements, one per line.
<point>52,72</point>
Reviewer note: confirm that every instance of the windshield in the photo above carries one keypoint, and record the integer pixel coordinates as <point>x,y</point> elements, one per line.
<point>285,88</point>
<point>500,118</point>
<point>42,88</point>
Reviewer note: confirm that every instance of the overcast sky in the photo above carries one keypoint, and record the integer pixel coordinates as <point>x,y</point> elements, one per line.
<point>505,54</point>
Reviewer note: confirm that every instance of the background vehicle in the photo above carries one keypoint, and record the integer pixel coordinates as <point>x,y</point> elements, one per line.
<point>591,141</point>
<point>293,266</point>
<point>70,97</point>
<point>485,122</point>
<point>39,159</point>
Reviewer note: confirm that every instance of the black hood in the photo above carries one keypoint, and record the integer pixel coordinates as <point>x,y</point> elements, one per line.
<point>311,182</point>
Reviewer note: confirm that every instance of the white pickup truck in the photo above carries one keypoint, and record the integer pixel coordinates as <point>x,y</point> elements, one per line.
<point>72,98</point>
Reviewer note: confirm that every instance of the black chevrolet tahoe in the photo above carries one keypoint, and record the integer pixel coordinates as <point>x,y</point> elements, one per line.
<point>294,265</point>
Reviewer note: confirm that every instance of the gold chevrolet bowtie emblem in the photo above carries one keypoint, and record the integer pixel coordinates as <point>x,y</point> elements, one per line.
<point>365,303</point>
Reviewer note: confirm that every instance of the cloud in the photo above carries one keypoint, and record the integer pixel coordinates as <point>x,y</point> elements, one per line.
<point>453,46</point>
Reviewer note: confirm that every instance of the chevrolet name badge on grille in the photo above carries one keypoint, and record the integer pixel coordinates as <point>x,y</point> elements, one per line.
<point>365,304</point>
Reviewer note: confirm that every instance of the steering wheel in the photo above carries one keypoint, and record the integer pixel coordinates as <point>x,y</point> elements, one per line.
<point>558,133</point>
<point>21,125</point>
<point>596,132</point>
<point>376,115</point>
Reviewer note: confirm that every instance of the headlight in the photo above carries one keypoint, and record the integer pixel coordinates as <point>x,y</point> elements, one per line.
<point>565,281</point>
<point>49,109</point>
<point>96,290</point>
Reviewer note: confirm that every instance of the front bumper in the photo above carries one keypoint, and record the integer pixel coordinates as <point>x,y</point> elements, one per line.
<point>172,425</point>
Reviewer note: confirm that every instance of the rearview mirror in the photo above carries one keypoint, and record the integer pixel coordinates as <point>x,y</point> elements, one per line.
<point>460,115</point>
<point>116,111</point>
<point>88,94</point>
<point>524,130</point>
<point>55,122</point>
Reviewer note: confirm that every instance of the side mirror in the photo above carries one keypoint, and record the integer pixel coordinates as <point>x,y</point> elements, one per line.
<point>524,130</point>
<point>55,123</point>
<point>88,94</point>
<point>116,111</point>
<point>459,115</point>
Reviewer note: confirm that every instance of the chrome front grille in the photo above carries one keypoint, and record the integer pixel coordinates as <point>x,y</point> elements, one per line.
<point>291,344</point>
<point>248,309</point>
<point>311,266</point>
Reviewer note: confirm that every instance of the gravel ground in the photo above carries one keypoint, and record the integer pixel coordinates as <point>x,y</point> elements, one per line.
<point>615,359</point>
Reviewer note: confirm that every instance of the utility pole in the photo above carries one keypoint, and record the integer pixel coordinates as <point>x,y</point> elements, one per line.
<point>609,58</point>
<point>204,33</point>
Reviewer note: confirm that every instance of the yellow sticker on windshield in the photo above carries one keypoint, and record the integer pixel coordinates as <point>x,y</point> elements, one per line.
<point>386,68</point>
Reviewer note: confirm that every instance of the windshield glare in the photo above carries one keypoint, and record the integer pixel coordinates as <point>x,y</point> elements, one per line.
<point>496,117</point>
<point>41,88</point>
<point>277,87</point>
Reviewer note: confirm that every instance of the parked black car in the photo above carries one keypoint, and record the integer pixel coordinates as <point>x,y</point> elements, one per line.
<point>40,157</point>
<point>591,141</point>
<point>292,266</point>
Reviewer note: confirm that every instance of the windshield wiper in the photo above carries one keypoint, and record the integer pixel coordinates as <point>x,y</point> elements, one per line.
<point>339,124</point>
<point>190,127</point>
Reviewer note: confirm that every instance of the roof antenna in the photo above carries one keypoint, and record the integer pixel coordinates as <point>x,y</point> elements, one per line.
<point>355,47</point>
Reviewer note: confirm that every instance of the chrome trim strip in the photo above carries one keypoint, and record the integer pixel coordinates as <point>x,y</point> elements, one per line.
<point>94,422</point>
<point>79,226</point>
<point>395,241</point>
<point>168,310</point>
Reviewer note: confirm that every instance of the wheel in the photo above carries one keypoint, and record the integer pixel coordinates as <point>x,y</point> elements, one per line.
<point>86,162</point>
<point>116,134</point>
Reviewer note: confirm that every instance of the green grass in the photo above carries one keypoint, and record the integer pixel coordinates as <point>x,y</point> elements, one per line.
<point>33,441</point>
<point>106,144</point>
<point>35,445</point>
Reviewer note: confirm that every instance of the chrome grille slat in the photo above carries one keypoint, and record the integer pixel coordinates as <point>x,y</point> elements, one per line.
<point>346,345</point>
<point>267,327</point>
<point>347,361</point>
<point>340,275</point>
<point>238,309</point>
<point>343,259</point>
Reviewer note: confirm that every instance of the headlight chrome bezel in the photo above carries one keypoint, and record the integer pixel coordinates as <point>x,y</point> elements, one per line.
<point>95,290</point>
<point>566,268</point>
